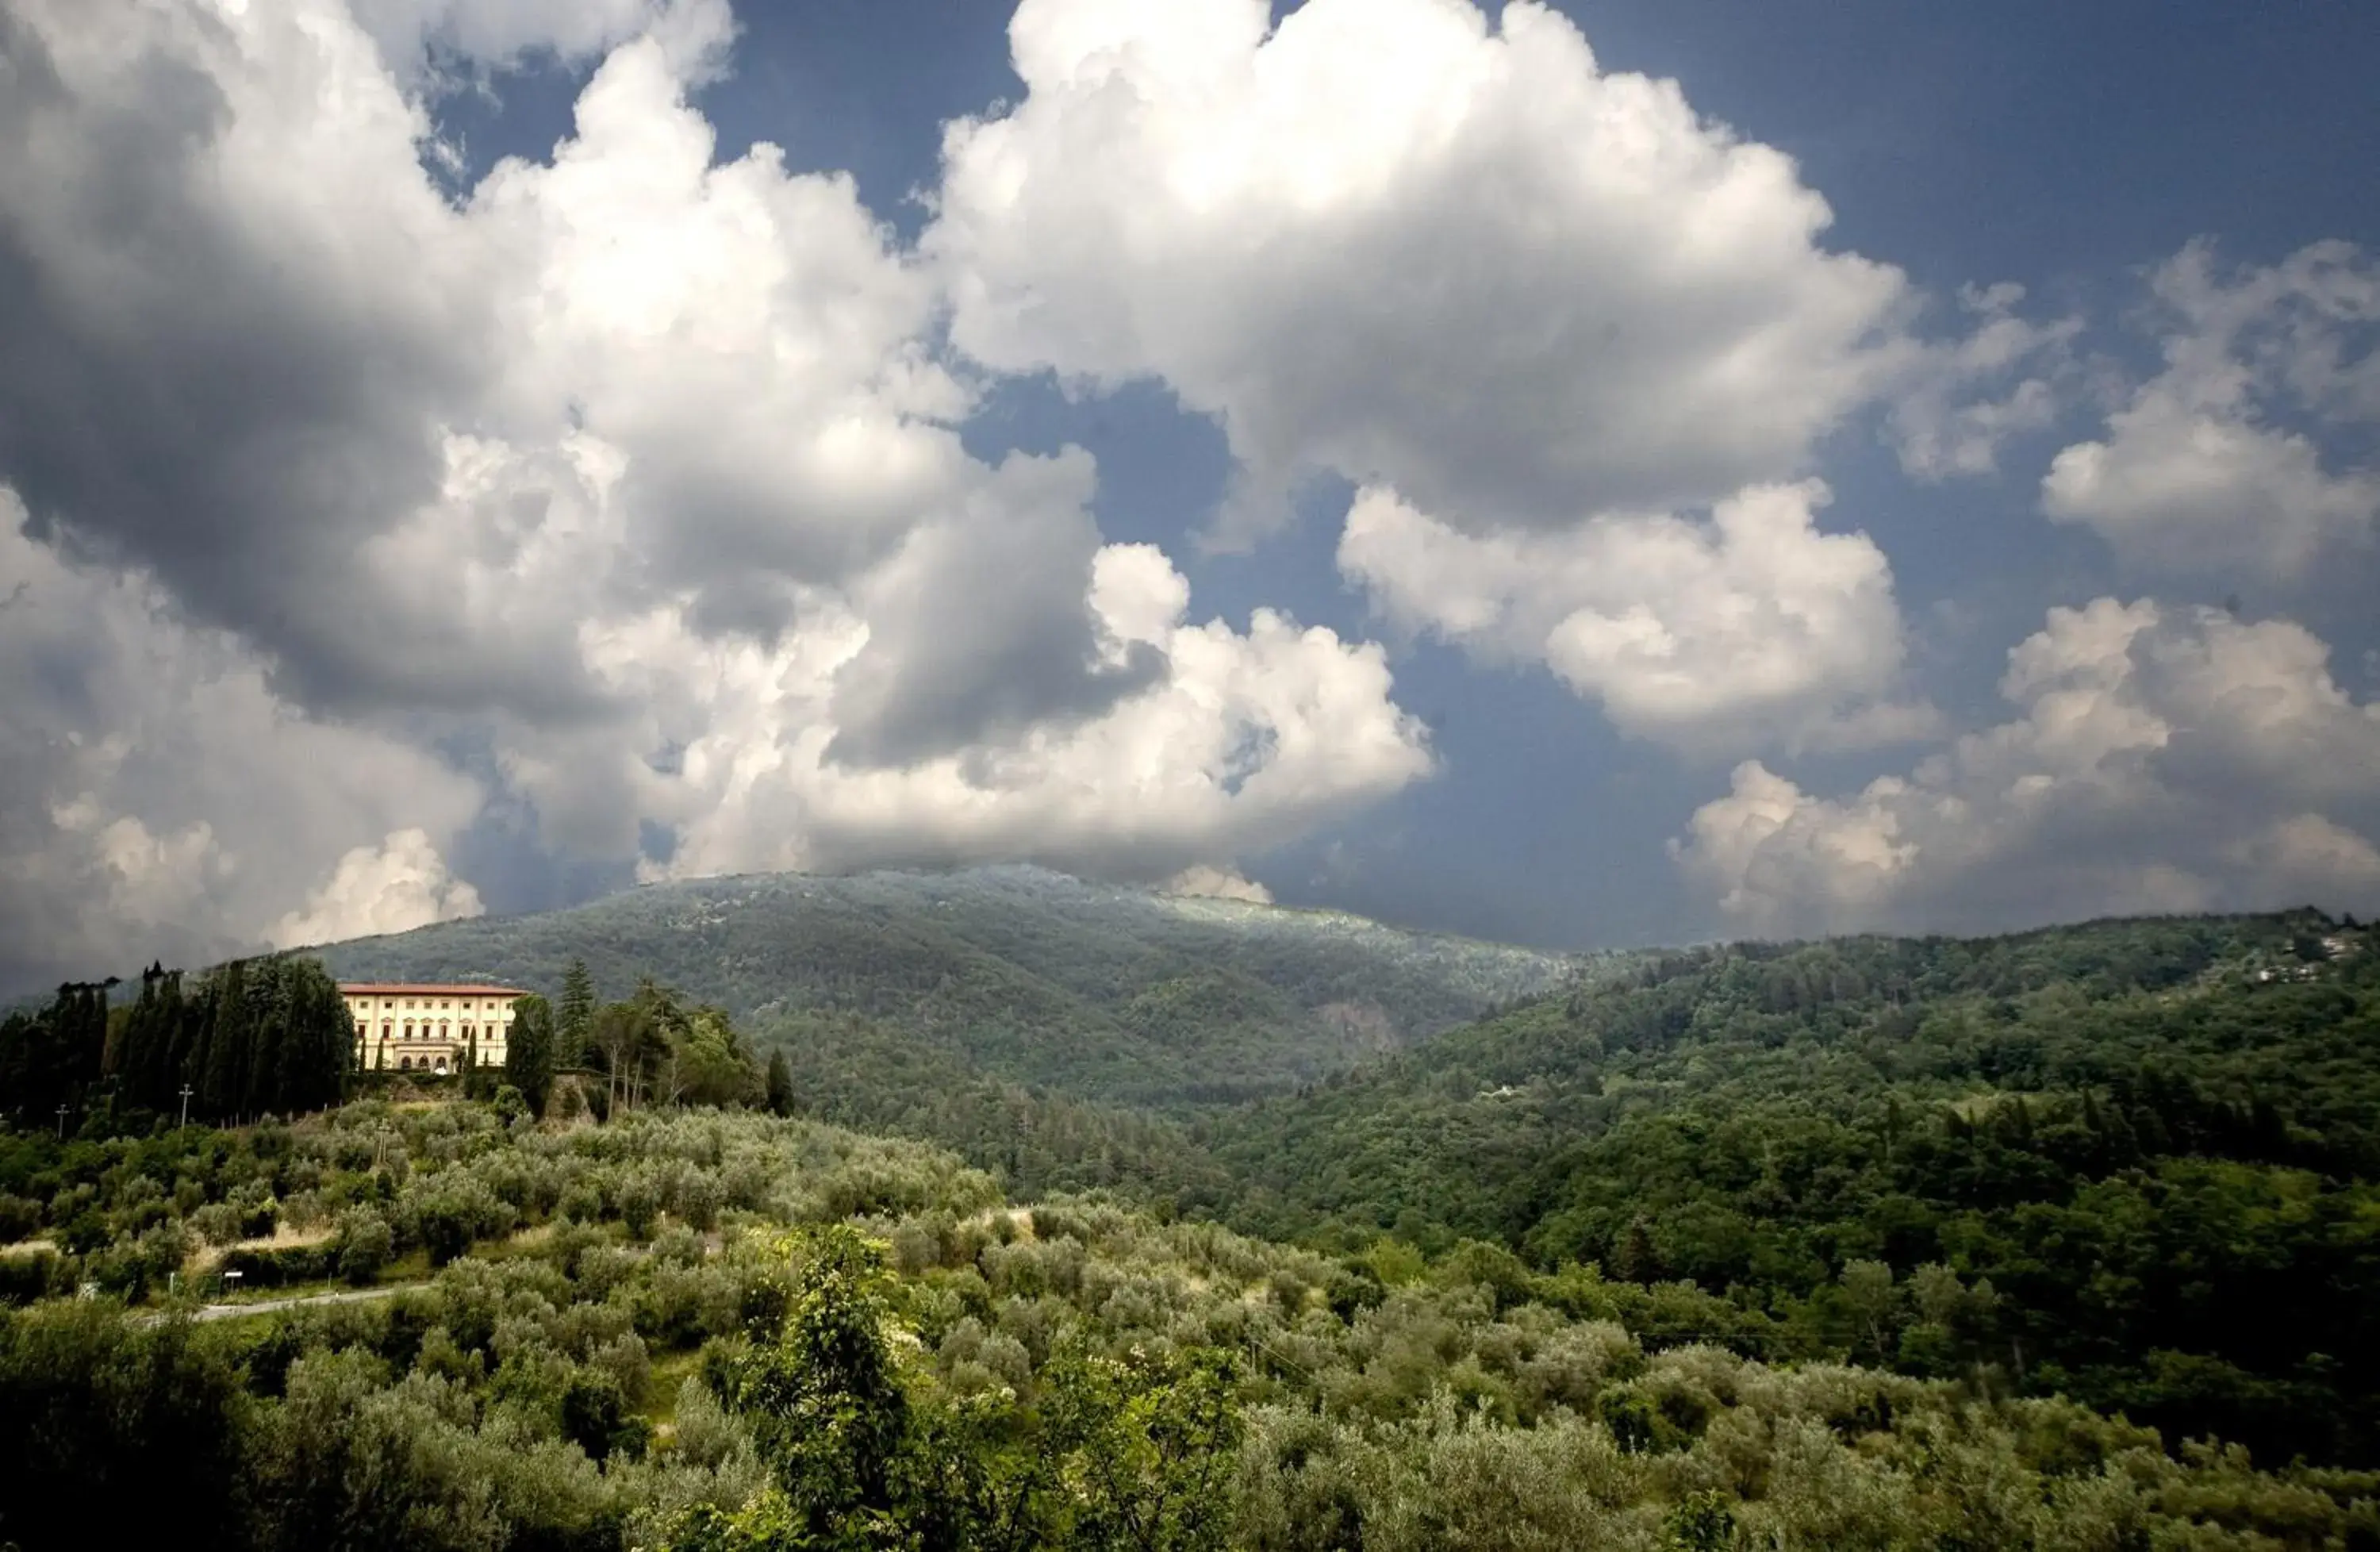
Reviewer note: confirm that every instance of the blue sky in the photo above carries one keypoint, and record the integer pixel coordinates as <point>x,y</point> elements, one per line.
<point>1671,548</point>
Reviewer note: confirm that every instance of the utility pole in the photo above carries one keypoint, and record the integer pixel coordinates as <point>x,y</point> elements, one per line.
<point>186,1103</point>
<point>62,1124</point>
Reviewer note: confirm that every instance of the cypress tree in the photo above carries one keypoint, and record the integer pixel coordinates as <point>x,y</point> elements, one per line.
<point>83,1053</point>
<point>312,1051</point>
<point>268,993</point>
<point>123,1034</point>
<point>199,1041</point>
<point>295,1079</point>
<point>528,1052</point>
<point>321,1055</point>
<point>179,1030</point>
<point>781,1083</point>
<point>17,1037</point>
<point>88,1047</point>
<point>335,1052</point>
<point>129,1060</point>
<point>574,1022</point>
<point>226,1082</point>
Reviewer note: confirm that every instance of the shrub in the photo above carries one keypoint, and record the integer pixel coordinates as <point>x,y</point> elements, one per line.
<point>364,1245</point>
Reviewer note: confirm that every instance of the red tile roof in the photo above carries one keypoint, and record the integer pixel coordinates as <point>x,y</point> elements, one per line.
<point>424,989</point>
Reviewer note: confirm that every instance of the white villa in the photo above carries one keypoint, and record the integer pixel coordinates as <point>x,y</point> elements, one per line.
<point>410,1028</point>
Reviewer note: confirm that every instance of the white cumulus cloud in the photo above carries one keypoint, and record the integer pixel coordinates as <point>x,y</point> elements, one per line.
<point>1392,240</point>
<point>1248,740</point>
<point>1752,627</point>
<point>2213,467</point>
<point>2162,759</point>
<point>395,886</point>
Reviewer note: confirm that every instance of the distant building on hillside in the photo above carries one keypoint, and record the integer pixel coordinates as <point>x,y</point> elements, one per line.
<point>404,1027</point>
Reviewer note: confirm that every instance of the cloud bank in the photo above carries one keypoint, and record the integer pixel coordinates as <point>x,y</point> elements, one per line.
<point>2162,759</point>
<point>635,492</point>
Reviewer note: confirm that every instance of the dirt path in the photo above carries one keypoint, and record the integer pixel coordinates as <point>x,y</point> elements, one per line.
<point>711,1245</point>
<point>272,1307</point>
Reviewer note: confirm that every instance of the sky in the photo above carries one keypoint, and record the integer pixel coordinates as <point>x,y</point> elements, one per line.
<point>1590,475</point>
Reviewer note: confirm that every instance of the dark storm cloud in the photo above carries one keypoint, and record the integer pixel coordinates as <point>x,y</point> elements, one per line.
<point>184,390</point>
<point>984,628</point>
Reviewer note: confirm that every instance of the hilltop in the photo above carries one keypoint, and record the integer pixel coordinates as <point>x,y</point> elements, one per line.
<point>1096,991</point>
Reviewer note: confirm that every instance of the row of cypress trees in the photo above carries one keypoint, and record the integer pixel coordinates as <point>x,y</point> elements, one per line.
<point>51,1058</point>
<point>249,1037</point>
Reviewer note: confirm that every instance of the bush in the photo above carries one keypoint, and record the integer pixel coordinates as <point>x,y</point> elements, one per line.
<point>364,1245</point>
<point>24,1278</point>
<point>20,1218</point>
<point>281,1267</point>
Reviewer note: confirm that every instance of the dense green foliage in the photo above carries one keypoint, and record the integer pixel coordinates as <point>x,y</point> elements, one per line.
<point>528,1053</point>
<point>706,1330</point>
<point>252,1037</point>
<point>2041,1240</point>
<point>653,1047</point>
<point>1021,976</point>
<point>2154,1142</point>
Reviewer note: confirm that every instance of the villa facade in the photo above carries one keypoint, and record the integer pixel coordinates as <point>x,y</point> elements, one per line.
<point>404,1027</point>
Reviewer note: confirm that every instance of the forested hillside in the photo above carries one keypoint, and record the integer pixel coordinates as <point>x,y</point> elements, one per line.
<point>1100,993</point>
<point>2138,1158</point>
<point>1740,1245</point>
<point>708,1331</point>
